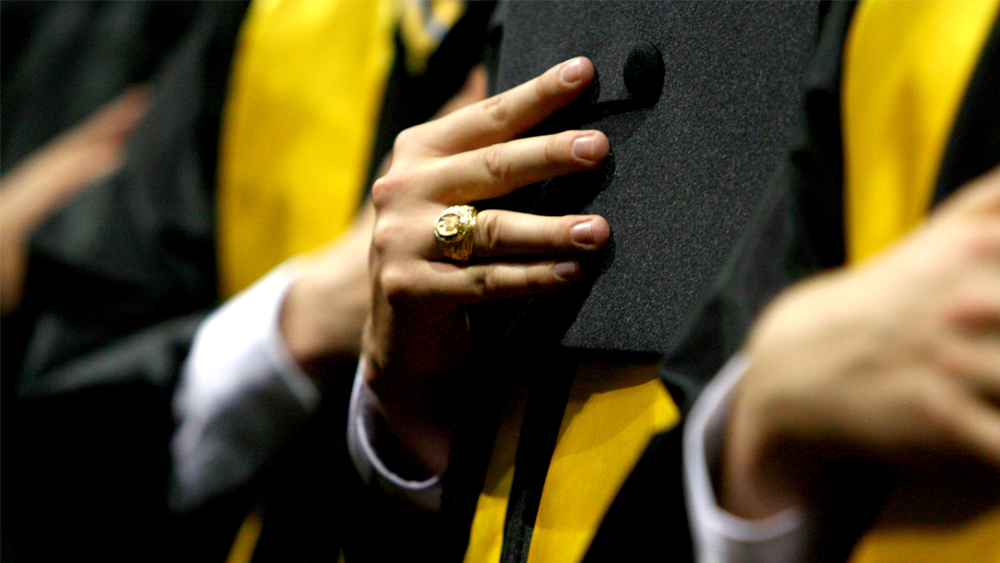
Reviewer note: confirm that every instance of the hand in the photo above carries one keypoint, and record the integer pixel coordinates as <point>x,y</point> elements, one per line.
<point>893,365</point>
<point>38,186</point>
<point>326,307</point>
<point>417,338</point>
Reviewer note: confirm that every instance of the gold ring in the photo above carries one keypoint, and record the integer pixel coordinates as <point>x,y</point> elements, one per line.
<point>453,231</point>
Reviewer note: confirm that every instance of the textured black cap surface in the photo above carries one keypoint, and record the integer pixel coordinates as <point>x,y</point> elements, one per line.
<point>687,163</point>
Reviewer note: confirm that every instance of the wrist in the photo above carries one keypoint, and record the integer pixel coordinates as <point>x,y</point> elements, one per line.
<point>751,483</point>
<point>319,326</point>
<point>412,427</point>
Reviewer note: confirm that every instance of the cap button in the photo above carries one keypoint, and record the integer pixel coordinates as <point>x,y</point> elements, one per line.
<point>643,74</point>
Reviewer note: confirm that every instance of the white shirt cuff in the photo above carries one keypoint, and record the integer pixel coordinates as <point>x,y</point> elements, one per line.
<point>361,428</point>
<point>718,535</point>
<point>241,394</point>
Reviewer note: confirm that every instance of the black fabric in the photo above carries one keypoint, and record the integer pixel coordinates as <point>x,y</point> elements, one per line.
<point>797,230</point>
<point>647,521</point>
<point>305,488</point>
<point>85,469</point>
<point>62,60</point>
<point>139,248</point>
<point>542,418</point>
<point>117,282</point>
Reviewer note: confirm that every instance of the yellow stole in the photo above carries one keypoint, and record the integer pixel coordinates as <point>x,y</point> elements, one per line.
<point>298,127</point>
<point>295,144</point>
<point>906,69</point>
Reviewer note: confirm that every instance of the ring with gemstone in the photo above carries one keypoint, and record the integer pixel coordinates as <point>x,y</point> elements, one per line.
<point>453,231</point>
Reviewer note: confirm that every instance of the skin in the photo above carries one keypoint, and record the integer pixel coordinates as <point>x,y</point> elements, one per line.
<point>326,307</point>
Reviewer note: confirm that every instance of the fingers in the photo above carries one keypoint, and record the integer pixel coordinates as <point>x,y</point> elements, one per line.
<point>497,170</point>
<point>506,233</point>
<point>119,116</point>
<point>971,349</point>
<point>436,282</point>
<point>976,423</point>
<point>508,115</point>
<point>450,285</point>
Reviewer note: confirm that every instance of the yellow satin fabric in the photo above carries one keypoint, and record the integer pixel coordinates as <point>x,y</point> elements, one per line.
<point>486,534</point>
<point>906,69</point>
<point>298,128</point>
<point>612,412</point>
<point>606,427</point>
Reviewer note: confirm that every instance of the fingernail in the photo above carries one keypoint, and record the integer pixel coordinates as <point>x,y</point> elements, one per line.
<point>583,147</point>
<point>572,71</point>
<point>567,270</point>
<point>583,233</point>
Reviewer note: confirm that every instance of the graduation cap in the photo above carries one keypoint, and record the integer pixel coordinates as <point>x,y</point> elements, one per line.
<point>697,100</point>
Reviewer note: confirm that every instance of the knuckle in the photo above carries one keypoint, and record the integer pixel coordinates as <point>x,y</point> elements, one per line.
<point>483,284</point>
<point>554,152</point>
<point>559,233</point>
<point>546,85</point>
<point>382,191</point>
<point>535,279</point>
<point>385,189</point>
<point>490,285</point>
<point>398,285</point>
<point>495,164</point>
<point>384,235</point>
<point>489,230</point>
<point>393,185</point>
<point>405,141</point>
<point>497,109</point>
